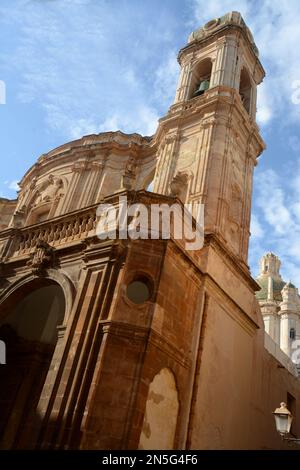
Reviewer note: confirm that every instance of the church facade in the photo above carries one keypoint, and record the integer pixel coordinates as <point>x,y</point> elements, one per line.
<point>140,343</point>
<point>280,307</point>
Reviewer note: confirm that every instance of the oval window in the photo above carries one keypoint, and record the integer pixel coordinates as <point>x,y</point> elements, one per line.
<point>139,290</point>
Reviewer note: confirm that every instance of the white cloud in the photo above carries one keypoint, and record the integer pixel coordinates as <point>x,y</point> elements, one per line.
<point>205,11</point>
<point>166,78</point>
<point>14,185</point>
<point>265,109</point>
<point>276,223</point>
<point>9,189</point>
<point>294,143</point>
<point>71,62</point>
<point>270,198</point>
<point>256,228</point>
<point>144,121</point>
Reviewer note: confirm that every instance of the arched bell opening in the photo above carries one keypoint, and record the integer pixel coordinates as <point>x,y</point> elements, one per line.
<point>200,80</point>
<point>29,330</point>
<point>245,89</point>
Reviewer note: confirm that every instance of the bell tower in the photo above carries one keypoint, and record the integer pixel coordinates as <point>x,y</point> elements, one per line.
<point>209,140</point>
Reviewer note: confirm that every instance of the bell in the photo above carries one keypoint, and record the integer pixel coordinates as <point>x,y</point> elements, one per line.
<point>203,86</point>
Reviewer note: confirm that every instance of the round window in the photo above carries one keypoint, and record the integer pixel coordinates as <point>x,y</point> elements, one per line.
<point>139,290</point>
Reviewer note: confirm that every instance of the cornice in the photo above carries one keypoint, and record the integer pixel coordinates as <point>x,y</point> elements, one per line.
<point>87,148</point>
<point>188,110</point>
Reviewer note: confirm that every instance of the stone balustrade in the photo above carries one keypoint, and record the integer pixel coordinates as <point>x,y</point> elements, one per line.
<point>61,230</point>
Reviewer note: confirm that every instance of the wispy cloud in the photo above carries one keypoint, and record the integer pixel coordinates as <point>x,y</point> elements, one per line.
<point>13,185</point>
<point>9,188</point>
<point>86,67</point>
<point>166,78</point>
<point>257,231</point>
<point>276,219</point>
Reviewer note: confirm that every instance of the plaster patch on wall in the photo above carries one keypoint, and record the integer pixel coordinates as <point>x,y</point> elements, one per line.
<point>161,412</point>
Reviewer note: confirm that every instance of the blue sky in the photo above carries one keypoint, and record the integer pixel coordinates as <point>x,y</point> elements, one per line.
<point>75,67</point>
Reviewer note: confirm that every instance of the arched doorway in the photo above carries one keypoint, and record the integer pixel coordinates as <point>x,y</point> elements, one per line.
<point>28,327</point>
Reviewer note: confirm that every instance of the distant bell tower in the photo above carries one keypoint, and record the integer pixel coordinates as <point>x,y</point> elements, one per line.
<point>271,284</point>
<point>279,303</point>
<point>209,140</point>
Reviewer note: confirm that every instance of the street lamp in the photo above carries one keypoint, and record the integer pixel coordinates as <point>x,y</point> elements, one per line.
<point>283,420</point>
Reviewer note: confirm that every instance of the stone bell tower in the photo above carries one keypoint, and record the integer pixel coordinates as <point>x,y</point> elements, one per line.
<point>209,140</point>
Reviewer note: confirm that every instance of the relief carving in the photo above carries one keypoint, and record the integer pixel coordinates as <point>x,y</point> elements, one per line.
<point>179,185</point>
<point>130,174</point>
<point>49,191</point>
<point>19,217</point>
<point>42,258</point>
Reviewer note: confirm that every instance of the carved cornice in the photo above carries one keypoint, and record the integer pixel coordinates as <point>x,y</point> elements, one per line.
<point>212,99</point>
<point>218,35</point>
<point>41,259</point>
<point>90,146</point>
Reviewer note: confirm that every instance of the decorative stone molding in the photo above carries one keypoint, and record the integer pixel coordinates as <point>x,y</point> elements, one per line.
<point>19,217</point>
<point>42,258</point>
<point>178,185</point>
<point>78,167</point>
<point>24,283</point>
<point>48,191</point>
<point>33,183</point>
<point>61,330</point>
<point>130,174</point>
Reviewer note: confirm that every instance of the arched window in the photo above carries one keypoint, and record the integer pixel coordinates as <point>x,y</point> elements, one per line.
<point>245,89</point>
<point>292,334</point>
<point>200,81</point>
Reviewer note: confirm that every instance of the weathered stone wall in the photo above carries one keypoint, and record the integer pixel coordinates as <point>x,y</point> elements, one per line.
<point>7,208</point>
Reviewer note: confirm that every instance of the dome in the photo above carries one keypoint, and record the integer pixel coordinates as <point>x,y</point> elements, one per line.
<point>278,285</point>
